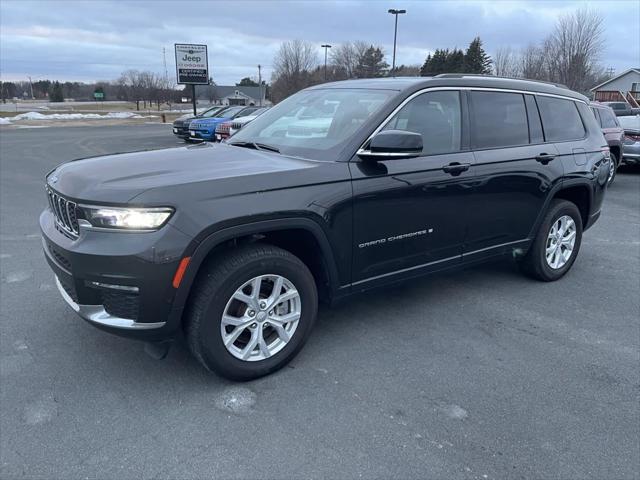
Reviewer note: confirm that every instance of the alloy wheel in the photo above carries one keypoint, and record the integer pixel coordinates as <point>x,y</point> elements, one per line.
<point>261,317</point>
<point>561,241</point>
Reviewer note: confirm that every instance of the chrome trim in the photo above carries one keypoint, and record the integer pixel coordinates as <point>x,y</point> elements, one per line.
<point>362,151</point>
<point>60,207</point>
<point>123,288</point>
<point>98,315</point>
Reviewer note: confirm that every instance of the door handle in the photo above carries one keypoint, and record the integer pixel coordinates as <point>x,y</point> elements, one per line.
<point>544,158</point>
<point>456,168</point>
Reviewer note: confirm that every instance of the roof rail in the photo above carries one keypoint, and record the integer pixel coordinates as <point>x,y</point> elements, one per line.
<point>462,75</point>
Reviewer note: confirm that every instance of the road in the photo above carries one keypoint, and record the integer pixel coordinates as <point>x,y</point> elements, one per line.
<point>476,374</point>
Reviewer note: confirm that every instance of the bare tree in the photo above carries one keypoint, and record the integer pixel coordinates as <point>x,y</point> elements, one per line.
<point>573,49</point>
<point>347,56</point>
<point>506,63</point>
<point>293,64</point>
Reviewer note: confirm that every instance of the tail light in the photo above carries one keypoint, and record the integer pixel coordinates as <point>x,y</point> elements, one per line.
<point>632,136</point>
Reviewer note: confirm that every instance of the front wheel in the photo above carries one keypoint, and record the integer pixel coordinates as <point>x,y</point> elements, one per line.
<point>251,312</point>
<point>557,242</point>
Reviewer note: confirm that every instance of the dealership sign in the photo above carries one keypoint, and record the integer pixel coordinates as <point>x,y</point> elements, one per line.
<point>191,64</point>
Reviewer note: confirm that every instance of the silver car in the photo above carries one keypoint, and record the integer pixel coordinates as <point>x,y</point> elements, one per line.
<point>631,146</point>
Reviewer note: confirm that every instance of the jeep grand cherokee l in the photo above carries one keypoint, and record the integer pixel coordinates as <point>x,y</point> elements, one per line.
<point>235,243</point>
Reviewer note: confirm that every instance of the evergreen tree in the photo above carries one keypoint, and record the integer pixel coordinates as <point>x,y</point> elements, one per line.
<point>371,63</point>
<point>476,59</point>
<point>425,69</point>
<point>55,93</point>
<point>247,82</point>
<point>455,62</point>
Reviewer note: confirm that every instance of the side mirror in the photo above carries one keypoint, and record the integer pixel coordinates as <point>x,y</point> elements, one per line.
<point>390,144</point>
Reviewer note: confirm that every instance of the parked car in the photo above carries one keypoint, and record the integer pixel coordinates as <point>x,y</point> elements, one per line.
<point>631,146</point>
<point>227,129</point>
<point>181,124</point>
<point>235,243</point>
<point>621,108</point>
<point>613,133</point>
<point>205,128</point>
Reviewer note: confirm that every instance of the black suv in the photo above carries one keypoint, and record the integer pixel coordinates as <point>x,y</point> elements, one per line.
<point>340,188</point>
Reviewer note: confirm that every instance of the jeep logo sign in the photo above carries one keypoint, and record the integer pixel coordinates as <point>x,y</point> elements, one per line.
<point>192,66</point>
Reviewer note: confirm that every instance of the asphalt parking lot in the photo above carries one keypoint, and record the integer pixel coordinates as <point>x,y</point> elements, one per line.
<point>476,374</point>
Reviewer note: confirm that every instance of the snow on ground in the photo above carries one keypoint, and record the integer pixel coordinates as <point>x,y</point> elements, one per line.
<point>4,121</point>
<point>75,116</point>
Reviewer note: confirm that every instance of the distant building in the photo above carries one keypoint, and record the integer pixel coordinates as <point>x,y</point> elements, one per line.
<point>234,95</point>
<point>621,88</point>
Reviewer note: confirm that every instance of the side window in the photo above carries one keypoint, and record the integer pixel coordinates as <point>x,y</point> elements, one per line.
<point>597,115</point>
<point>498,119</point>
<point>560,119</point>
<point>608,119</point>
<point>434,115</point>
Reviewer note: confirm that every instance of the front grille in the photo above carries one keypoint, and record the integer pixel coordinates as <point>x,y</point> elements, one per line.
<point>69,288</point>
<point>119,304</point>
<point>65,212</point>
<point>236,125</point>
<point>222,128</point>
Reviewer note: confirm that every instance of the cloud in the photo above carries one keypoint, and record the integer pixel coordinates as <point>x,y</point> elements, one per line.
<point>97,40</point>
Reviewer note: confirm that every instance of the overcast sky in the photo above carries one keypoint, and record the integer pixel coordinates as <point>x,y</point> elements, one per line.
<point>89,40</point>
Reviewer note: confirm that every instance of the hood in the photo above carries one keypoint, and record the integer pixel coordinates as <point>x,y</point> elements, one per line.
<point>121,177</point>
<point>183,119</point>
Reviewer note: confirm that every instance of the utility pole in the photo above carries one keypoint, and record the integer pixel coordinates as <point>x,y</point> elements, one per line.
<point>31,85</point>
<point>395,12</point>
<point>326,49</point>
<point>260,82</point>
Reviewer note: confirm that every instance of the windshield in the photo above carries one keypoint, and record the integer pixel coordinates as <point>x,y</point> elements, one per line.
<point>229,112</point>
<point>210,113</point>
<point>314,123</point>
<point>631,122</point>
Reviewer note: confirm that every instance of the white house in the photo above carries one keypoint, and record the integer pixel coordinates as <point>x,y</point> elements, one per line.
<point>621,88</point>
<point>234,95</point>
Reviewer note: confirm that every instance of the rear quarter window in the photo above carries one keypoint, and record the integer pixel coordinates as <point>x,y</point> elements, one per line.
<point>608,119</point>
<point>560,119</point>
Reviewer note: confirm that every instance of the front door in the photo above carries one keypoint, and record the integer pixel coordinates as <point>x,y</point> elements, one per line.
<point>409,214</point>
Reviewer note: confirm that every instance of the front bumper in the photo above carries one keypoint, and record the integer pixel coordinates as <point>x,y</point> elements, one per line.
<point>119,282</point>
<point>200,135</point>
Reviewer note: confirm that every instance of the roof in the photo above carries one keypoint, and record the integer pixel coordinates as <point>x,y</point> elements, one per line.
<point>230,90</point>
<point>455,80</point>
<point>637,70</point>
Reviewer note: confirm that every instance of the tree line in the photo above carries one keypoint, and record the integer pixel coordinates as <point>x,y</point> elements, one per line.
<point>569,55</point>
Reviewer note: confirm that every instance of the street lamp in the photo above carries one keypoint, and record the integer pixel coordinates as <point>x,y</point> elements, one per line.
<point>395,12</point>
<point>326,47</point>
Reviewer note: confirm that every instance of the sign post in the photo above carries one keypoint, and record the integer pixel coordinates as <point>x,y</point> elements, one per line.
<point>192,67</point>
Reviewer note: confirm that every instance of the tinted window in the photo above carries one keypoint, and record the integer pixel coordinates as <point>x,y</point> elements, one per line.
<point>498,119</point>
<point>608,119</point>
<point>560,119</point>
<point>435,116</point>
<point>597,115</point>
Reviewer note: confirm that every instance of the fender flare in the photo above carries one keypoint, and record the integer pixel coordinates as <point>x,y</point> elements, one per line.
<point>565,184</point>
<point>203,249</point>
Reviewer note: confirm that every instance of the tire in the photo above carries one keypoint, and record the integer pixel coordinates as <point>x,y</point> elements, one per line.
<point>215,294</point>
<point>535,262</point>
<point>613,169</point>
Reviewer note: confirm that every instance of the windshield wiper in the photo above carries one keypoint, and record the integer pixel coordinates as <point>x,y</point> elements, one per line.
<point>255,146</point>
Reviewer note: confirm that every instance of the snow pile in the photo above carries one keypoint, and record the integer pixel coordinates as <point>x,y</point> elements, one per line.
<point>75,116</point>
<point>4,121</point>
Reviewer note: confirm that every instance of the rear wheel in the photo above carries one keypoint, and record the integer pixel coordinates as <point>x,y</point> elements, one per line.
<point>557,242</point>
<point>613,168</point>
<point>251,312</point>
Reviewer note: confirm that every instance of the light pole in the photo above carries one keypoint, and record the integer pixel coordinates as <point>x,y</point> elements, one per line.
<point>395,12</point>
<point>326,47</point>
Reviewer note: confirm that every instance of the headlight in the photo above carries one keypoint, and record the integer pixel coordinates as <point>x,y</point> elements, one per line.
<point>126,218</point>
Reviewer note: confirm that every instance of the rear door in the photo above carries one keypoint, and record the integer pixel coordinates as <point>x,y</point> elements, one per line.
<point>515,171</point>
